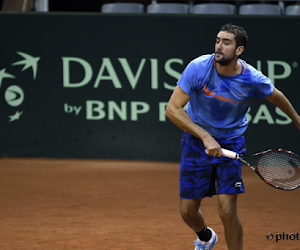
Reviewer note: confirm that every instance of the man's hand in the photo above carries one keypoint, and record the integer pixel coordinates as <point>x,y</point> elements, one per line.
<point>213,148</point>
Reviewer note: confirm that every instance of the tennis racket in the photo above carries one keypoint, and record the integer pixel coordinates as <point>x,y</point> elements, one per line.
<point>278,168</point>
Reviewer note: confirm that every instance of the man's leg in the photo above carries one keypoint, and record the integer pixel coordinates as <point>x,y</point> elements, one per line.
<point>193,217</point>
<point>233,229</point>
<point>190,213</point>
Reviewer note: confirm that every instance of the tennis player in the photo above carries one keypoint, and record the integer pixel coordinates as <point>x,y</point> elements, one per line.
<point>217,89</point>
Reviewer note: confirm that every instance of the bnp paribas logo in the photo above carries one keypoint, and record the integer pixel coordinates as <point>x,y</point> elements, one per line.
<point>14,94</point>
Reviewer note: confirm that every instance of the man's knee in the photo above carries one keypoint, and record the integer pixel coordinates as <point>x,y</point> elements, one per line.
<point>227,209</point>
<point>227,214</point>
<point>189,208</point>
<point>188,213</point>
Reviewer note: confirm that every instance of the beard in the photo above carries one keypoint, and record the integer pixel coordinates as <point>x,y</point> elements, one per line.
<point>225,60</point>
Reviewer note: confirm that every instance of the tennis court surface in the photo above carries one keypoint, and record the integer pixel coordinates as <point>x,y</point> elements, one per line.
<point>129,205</point>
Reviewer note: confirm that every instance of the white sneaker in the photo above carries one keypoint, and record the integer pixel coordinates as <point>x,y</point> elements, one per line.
<point>206,245</point>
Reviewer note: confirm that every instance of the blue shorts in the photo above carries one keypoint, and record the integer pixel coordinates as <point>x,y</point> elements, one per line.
<point>202,175</point>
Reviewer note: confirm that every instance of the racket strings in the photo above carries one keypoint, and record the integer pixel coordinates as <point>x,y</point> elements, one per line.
<point>280,168</point>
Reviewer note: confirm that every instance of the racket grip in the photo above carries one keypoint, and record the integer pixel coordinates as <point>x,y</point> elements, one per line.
<point>229,154</point>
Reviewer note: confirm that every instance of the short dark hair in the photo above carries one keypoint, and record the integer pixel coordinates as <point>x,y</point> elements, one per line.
<point>240,34</point>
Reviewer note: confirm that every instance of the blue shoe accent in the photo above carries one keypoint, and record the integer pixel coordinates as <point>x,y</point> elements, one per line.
<point>203,245</point>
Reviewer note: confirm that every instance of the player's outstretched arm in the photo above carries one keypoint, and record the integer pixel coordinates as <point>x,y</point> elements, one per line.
<point>182,120</point>
<point>280,100</point>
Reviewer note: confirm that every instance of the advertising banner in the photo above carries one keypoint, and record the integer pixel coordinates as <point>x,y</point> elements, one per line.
<point>96,86</point>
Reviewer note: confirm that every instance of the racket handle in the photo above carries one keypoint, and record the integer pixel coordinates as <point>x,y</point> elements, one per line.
<point>229,154</point>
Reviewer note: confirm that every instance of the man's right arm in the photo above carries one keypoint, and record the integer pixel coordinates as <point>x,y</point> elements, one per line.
<point>182,120</point>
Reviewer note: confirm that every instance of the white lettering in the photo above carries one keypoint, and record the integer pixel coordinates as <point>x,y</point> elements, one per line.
<point>145,107</point>
<point>154,73</point>
<point>94,110</point>
<point>258,67</point>
<point>112,76</point>
<point>114,108</point>
<point>249,116</point>
<point>284,115</point>
<point>88,72</point>
<point>107,72</point>
<point>172,72</point>
<point>133,79</point>
<point>287,70</point>
<point>77,109</point>
<point>69,109</point>
<point>263,114</point>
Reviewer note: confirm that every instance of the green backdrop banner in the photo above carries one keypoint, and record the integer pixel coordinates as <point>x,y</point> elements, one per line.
<point>96,85</point>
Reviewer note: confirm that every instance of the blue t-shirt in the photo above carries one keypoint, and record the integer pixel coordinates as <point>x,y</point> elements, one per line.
<point>219,103</point>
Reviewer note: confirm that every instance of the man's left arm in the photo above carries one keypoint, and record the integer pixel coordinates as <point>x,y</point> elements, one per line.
<point>279,99</point>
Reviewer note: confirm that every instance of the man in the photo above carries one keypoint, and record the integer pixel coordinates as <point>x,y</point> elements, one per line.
<point>217,89</point>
